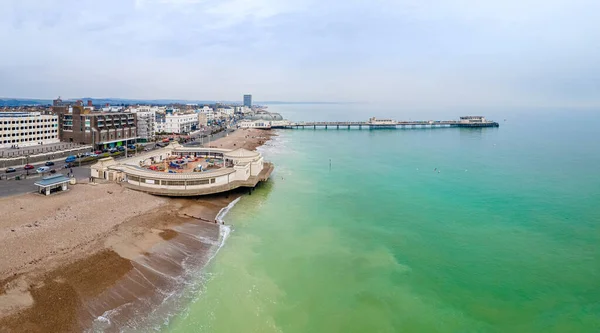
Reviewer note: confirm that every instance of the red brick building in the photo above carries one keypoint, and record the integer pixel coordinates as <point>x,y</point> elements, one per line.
<point>100,129</point>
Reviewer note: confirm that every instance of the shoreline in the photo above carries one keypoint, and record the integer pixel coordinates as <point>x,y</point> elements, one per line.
<point>122,267</point>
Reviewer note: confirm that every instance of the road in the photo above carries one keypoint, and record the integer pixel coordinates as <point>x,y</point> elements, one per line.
<point>198,141</point>
<point>15,187</point>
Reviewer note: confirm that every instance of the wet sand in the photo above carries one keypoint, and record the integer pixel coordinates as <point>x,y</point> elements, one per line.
<point>70,259</point>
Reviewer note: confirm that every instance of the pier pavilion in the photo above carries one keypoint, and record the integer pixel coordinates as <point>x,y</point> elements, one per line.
<point>240,168</point>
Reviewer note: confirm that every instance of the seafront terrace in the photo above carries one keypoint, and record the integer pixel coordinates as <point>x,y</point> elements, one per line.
<point>182,171</point>
<point>191,184</point>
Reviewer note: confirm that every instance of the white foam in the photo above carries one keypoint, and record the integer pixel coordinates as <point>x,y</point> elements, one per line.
<point>224,230</point>
<point>102,322</point>
<point>190,285</point>
<point>275,145</point>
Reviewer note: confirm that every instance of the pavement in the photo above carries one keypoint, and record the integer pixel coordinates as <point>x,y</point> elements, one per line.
<point>37,149</point>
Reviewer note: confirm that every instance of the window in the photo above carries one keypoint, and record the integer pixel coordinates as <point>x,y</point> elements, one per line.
<point>198,182</point>
<point>175,182</point>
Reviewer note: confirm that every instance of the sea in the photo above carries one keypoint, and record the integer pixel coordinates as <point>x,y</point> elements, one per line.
<point>416,230</point>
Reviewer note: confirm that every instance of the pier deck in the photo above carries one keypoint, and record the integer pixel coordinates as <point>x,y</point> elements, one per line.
<point>394,125</point>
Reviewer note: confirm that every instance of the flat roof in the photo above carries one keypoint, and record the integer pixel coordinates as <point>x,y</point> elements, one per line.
<point>22,114</point>
<point>146,173</point>
<point>53,180</point>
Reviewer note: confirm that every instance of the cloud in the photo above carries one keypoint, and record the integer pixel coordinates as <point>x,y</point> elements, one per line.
<point>438,52</point>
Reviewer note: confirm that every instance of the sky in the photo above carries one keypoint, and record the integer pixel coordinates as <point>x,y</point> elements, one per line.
<point>436,53</point>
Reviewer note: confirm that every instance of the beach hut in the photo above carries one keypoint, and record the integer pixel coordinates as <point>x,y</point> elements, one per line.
<point>53,184</point>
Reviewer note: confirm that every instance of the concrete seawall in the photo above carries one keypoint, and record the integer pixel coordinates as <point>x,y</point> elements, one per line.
<point>42,157</point>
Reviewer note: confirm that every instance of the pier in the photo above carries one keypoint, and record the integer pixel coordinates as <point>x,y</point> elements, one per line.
<point>374,123</point>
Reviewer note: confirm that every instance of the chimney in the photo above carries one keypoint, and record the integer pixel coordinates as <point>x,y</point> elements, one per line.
<point>79,103</point>
<point>90,102</point>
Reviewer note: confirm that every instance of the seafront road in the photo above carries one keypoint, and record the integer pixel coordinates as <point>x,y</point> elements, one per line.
<point>16,187</point>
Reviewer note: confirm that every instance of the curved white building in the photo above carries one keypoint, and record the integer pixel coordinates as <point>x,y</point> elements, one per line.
<point>242,168</point>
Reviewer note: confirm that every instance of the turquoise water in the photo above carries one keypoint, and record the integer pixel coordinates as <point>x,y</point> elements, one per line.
<point>504,238</point>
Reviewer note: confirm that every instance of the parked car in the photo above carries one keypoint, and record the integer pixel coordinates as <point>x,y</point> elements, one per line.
<point>9,170</point>
<point>132,147</point>
<point>53,171</point>
<point>93,155</point>
<point>49,163</point>
<point>98,152</point>
<point>121,148</point>
<point>105,150</point>
<point>113,150</point>
<point>42,169</point>
<point>71,159</point>
<point>28,167</point>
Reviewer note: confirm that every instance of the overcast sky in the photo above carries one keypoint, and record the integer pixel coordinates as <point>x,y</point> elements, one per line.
<point>430,52</point>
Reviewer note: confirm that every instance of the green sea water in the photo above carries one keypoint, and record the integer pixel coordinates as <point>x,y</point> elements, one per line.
<point>357,231</point>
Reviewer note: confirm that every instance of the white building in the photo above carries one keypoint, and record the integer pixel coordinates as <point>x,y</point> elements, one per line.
<point>112,109</point>
<point>27,129</point>
<point>178,123</point>
<point>210,114</point>
<point>202,119</point>
<point>241,168</point>
<point>225,112</point>
<point>260,124</point>
<point>146,122</point>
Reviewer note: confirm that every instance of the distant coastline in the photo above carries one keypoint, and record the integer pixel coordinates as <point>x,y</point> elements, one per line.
<point>12,102</point>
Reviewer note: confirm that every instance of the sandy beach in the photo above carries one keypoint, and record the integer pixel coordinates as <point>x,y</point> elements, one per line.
<point>69,258</point>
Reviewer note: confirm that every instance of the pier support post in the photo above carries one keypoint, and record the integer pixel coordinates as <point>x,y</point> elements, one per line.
<point>325,126</point>
<point>359,126</point>
<point>338,126</point>
<point>348,126</point>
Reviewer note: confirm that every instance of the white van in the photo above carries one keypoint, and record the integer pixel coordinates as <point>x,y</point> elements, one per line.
<point>43,169</point>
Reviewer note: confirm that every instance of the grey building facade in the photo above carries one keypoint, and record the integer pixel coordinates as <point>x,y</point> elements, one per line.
<point>248,100</point>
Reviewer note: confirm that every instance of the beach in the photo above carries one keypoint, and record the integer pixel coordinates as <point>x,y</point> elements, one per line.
<point>69,259</point>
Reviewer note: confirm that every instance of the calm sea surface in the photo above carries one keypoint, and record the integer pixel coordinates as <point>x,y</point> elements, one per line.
<point>504,238</point>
